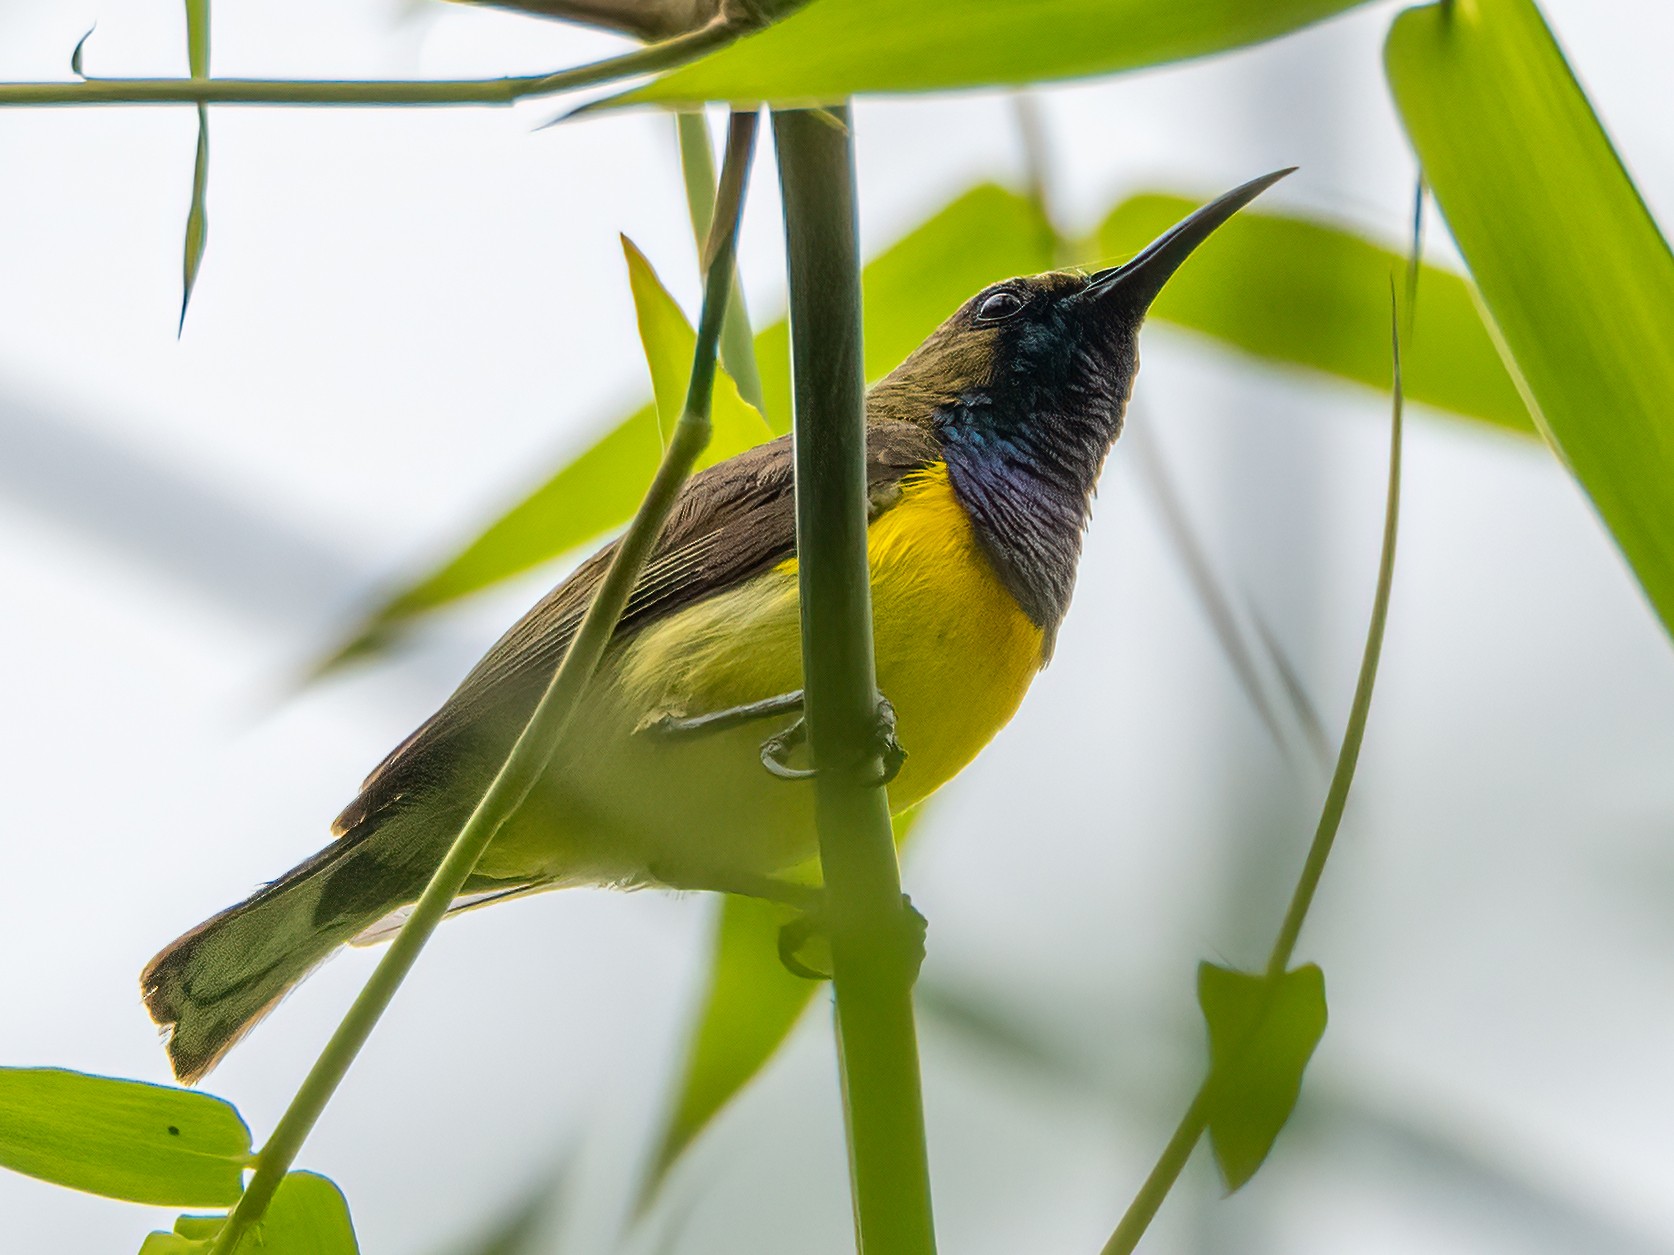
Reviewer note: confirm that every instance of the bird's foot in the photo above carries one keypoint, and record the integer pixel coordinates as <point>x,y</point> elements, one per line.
<point>884,753</point>
<point>805,942</point>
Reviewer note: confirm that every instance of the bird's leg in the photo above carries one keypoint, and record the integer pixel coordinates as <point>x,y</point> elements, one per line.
<point>743,884</point>
<point>884,747</point>
<point>673,726</point>
<point>811,927</point>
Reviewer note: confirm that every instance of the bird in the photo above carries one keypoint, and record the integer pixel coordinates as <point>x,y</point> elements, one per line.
<point>983,451</point>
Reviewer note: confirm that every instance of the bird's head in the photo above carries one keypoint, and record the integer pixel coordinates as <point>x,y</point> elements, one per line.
<point>1040,346</point>
<point>1025,387</point>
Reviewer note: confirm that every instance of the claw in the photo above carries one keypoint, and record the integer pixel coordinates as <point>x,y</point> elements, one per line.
<point>885,748</point>
<point>777,748</point>
<point>810,927</point>
<point>891,755</point>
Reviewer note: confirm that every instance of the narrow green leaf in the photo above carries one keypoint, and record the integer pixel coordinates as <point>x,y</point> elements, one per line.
<point>197,216</point>
<point>668,340</point>
<point>750,1007</point>
<point>1303,293</point>
<point>1261,1035</point>
<point>1572,267</point>
<point>986,234</point>
<point>123,1139</point>
<point>839,48</point>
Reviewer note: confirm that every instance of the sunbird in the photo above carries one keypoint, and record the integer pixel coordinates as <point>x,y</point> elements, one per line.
<point>983,451</point>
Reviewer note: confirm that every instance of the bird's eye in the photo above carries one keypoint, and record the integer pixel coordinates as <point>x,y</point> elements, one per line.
<point>1000,305</point>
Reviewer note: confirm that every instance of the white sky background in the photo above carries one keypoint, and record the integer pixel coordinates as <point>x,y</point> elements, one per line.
<point>405,317</point>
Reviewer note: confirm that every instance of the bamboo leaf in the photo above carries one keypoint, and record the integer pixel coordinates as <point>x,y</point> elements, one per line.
<point>1303,293</point>
<point>986,234</point>
<point>197,215</point>
<point>1262,1032</point>
<point>1571,265</point>
<point>838,48</point>
<point>668,340</point>
<point>123,1139</point>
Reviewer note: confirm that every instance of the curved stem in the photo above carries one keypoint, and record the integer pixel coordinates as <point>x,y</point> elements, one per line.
<point>534,746</point>
<point>480,91</point>
<point>874,946</point>
<point>1192,1125</point>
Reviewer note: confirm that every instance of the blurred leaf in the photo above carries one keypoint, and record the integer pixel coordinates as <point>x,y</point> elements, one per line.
<point>1306,294</point>
<point>669,343</point>
<point>1569,260</point>
<point>751,1005</point>
<point>197,216</point>
<point>123,1139</point>
<point>986,234</point>
<point>308,1216</point>
<point>1261,1035</point>
<point>837,48</point>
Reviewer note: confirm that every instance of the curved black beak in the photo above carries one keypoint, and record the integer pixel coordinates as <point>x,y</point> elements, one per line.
<point>1137,282</point>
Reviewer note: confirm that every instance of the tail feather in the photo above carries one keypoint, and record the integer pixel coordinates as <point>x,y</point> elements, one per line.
<point>211,986</point>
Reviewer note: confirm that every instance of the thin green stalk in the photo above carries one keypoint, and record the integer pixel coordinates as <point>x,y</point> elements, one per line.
<point>484,91</point>
<point>533,749</point>
<point>1192,1125</point>
<point>697,166</point>
<point>874,944</point>
<point>1336,799</point>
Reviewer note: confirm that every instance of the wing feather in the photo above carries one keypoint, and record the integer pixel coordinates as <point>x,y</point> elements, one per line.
<point>731,522</point>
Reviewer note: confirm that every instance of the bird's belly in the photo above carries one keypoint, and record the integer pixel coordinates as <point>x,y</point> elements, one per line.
<point>955,654</point>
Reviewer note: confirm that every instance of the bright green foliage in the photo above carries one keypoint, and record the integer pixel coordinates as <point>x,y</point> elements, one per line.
<point>839,48</point>
<point>308,1216</point>
<point>1307,294</point>
<point>1570,262</point>
<point>986,234</point>
<point>1261,1035</point>
<point>123,1139</point>
<point>668,340</point>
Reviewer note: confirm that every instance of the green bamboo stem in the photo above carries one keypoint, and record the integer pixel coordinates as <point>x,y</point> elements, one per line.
<point>697,168</point>
<point>1195,1122</point>
<point>482,91</point>
<point>534,746</point>
<point>873,942</point>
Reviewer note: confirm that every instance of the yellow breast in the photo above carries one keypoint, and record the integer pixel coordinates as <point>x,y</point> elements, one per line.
<point>955,653</point>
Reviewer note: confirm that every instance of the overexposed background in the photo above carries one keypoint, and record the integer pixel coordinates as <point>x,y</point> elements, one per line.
<point>406,317</point>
